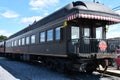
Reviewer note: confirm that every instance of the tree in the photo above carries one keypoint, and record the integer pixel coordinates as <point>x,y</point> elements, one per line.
<point>2,37</point>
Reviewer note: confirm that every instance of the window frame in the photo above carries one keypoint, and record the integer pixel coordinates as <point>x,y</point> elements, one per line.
<point>75,34</point>
<point>56,37</point>
<point>12,44</point>
<point>23,41</point>
<point>42,37</point>
<point>50,35</point>
<point>15,42</point>
<point>19,42</point>
<point>27,40</point>
<point>33,41</point>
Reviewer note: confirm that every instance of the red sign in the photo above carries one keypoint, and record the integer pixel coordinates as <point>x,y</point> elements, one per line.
<point>102,45</point>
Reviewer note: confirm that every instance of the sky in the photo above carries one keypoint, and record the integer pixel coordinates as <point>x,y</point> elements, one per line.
<point>15,15</point>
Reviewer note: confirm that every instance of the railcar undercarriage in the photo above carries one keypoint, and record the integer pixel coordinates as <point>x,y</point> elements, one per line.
<point>62,64</point>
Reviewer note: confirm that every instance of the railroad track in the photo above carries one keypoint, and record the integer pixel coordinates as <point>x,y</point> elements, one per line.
<point>38,72</point>
<point>110,71</point>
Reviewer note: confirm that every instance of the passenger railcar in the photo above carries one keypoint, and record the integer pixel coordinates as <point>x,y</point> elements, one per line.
<point>73,37</point>
<point>2,48</point>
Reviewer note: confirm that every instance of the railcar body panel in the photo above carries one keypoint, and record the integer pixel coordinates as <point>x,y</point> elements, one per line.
<point>84,15</point>
<point>43,48</point>
<point>73,35</point>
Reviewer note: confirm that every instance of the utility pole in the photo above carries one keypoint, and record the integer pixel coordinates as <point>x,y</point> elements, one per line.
<point>116,8</point>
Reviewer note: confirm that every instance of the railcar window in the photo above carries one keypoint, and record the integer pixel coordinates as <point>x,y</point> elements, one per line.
<point>99,33</point>
<point>86,32</point>
<point>75,32</point>
<point>7,44</point>
<point>33,39</point>
<point>27,40</point>
<point>57,33</point>
<point>23,41</point>
<point>42,37</point>
<point>19,42</point>
<point>1,44</point>
<point>12,44</point>
<point>49,35</point>
<point>15,43</point>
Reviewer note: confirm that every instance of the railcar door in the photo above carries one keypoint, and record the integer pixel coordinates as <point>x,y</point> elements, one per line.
<point>74,39</point>
<point>86,32</point>
<point>85,41</point>
<point>80,42</point>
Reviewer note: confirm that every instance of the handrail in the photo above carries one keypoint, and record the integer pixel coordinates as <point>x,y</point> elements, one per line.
<point>90,45</point>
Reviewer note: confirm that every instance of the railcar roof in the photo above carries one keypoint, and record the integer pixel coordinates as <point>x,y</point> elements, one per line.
<point>95,7</point>
<point>81,5</point>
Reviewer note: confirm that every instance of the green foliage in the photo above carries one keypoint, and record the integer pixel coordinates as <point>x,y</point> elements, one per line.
<point>2,37</point>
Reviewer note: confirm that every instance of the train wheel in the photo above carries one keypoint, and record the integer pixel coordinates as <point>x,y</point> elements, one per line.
<point>90,68</point>
<point>60,67</point>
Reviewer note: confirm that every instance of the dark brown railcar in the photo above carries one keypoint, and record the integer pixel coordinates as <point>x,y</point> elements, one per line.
<point>2,48</point>
<point>67,38</point>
